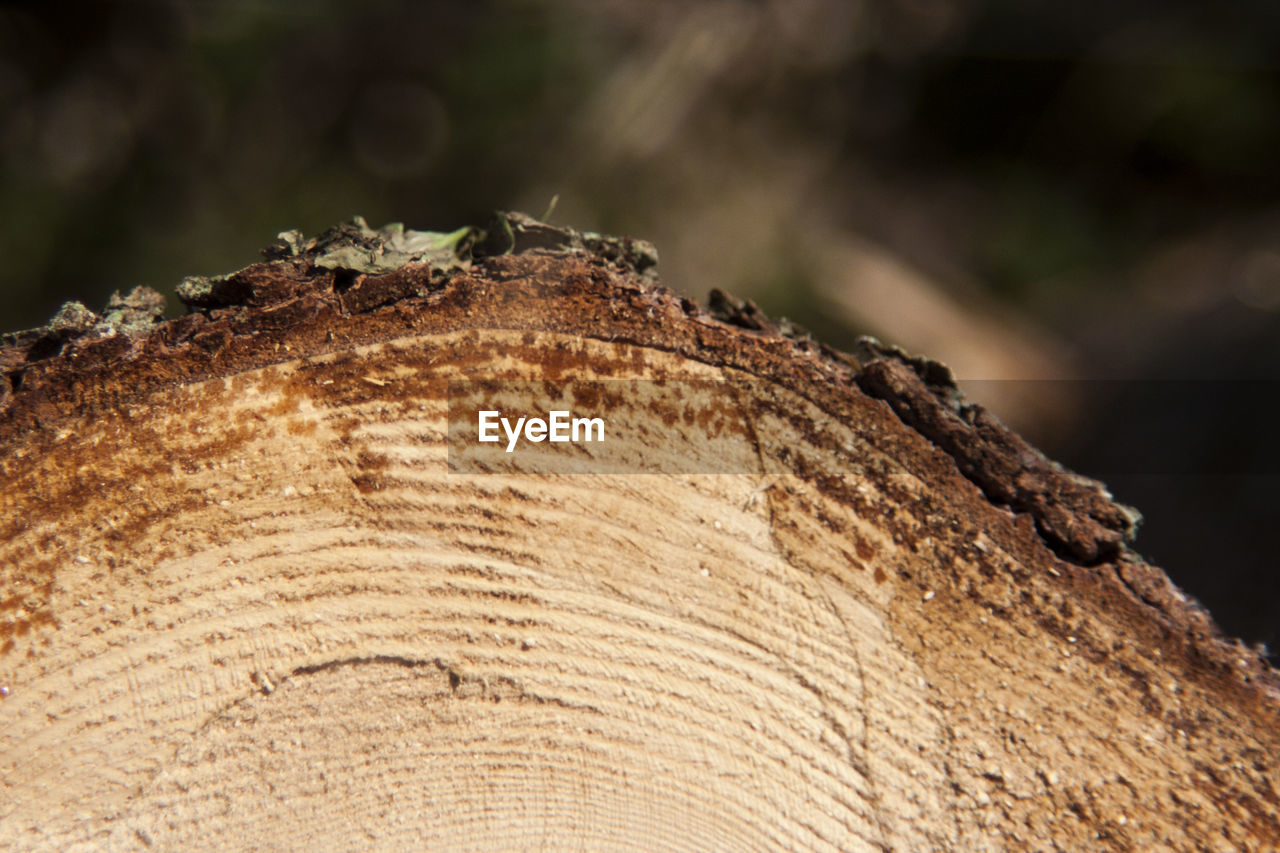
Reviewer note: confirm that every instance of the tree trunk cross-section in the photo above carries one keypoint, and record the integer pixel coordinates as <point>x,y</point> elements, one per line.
<point>246,604</point>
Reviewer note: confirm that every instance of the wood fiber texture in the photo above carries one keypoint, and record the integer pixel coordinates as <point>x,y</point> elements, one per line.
<point>244,604</point>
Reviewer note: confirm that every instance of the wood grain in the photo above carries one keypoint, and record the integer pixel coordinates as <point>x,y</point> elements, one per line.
<point>246,605</point>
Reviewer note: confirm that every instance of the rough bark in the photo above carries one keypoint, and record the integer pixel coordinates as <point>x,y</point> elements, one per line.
<point>244,604</point>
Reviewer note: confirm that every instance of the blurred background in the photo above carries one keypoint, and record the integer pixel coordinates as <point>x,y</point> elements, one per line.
<point>1074,206</point>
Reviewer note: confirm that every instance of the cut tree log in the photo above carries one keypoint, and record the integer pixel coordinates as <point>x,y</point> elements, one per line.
<point>248,602</point>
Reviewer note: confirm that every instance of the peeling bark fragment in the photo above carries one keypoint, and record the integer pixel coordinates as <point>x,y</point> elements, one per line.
<point>134,315</point>
<point>73,318</point>
<point>211,291</point>
<point>1075,515</point>
<point>739,312</point>
<point>511,233</point>
<point>350,250</point>
<point>745,314</point>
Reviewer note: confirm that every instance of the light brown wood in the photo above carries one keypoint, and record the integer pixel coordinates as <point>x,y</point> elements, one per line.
<point>244,604</point>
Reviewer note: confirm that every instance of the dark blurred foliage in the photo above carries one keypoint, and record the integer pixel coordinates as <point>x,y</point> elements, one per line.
<point>1028,191</point>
